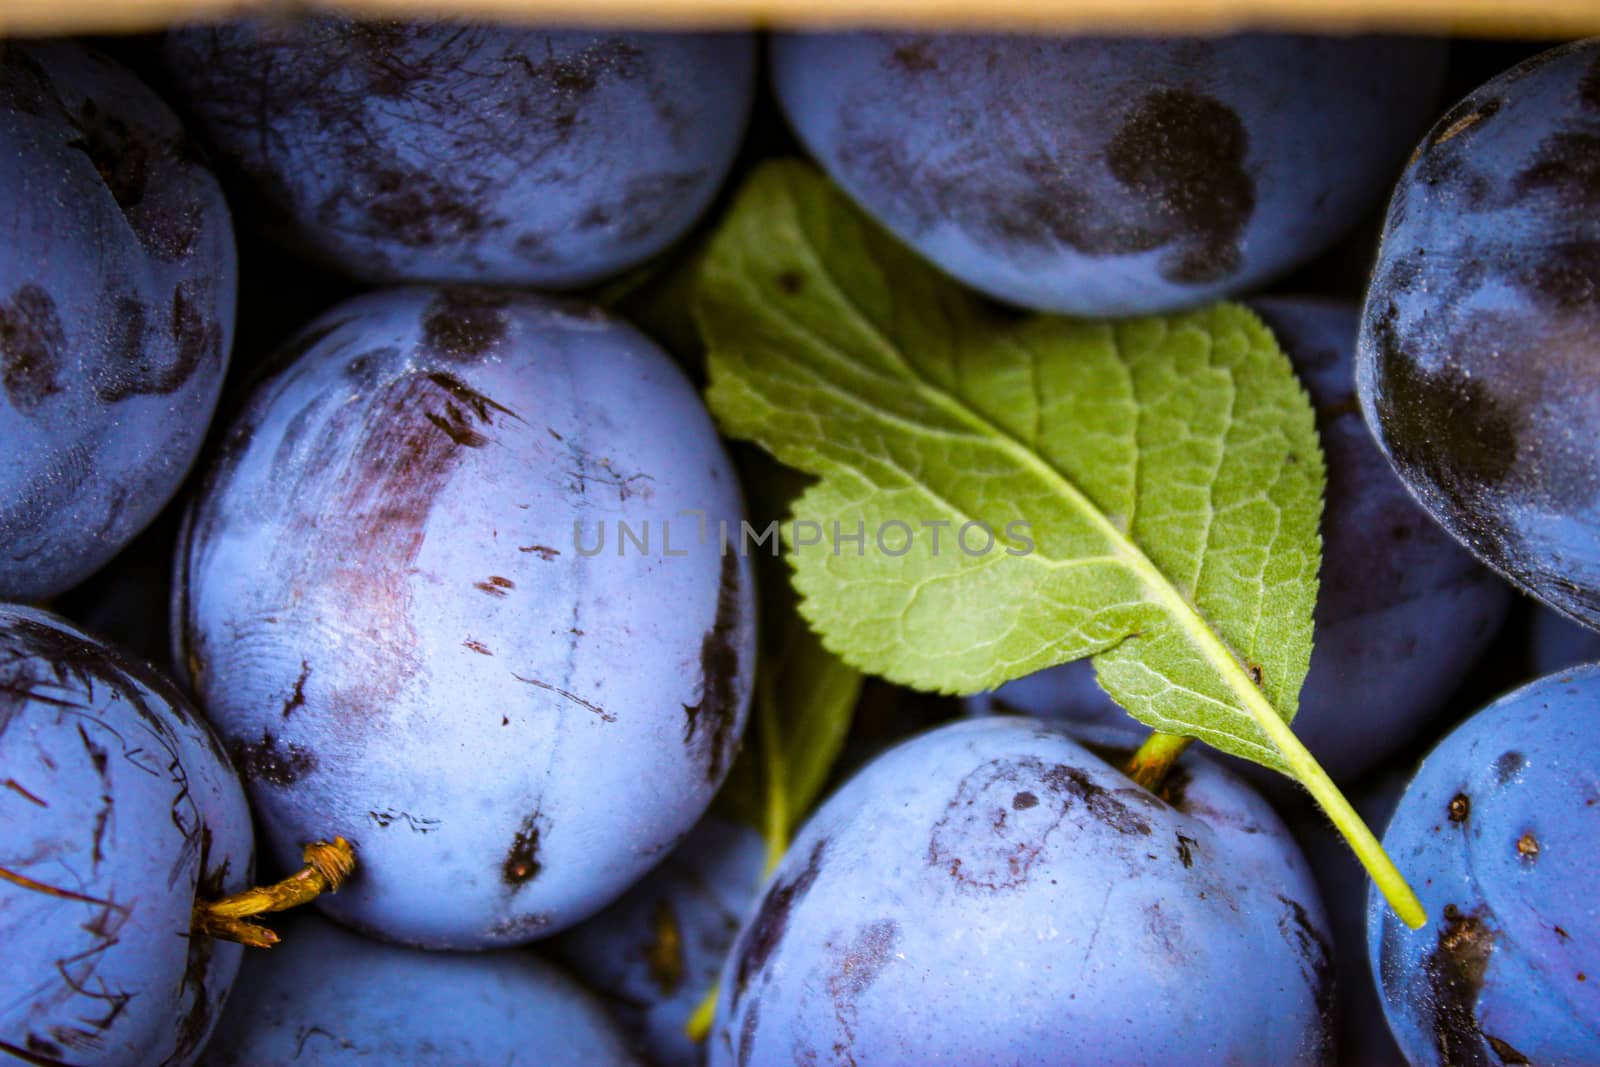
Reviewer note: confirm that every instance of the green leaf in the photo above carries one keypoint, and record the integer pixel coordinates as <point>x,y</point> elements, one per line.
<point>805,696</point>
<point>1168,471</point>
<point>1165,472</point>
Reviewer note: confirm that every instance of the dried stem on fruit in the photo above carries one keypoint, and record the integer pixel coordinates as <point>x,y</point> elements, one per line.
<point>327,865</point>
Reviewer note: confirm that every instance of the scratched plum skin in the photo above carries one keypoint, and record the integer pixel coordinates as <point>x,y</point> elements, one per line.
<point>1498,833</point>
<point>1479,362</point>
<point>993,892</point>
<point>393,608</point>
<point>657,952</point>
<point>1101,176</point>
<point>117,276</point>
<point>447,151</point>
<point>327,996</point>
<point>1402,612</point>
<point>117,809</point>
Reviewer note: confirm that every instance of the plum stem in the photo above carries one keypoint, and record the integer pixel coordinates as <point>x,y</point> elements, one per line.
<point>327,865</point>
<point>1153,760</point>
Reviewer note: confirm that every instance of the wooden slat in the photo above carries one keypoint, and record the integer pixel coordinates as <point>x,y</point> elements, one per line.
<point>1531,18</point>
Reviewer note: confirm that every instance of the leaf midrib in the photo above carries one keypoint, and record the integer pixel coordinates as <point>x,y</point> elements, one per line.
<point>1189,618</point>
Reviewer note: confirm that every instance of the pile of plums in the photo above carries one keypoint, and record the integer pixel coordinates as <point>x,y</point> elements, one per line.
<point>328,526</point>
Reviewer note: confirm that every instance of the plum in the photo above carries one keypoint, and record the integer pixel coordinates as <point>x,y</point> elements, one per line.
<point>329,997</point>
<point>994,892</point>
<point>408,600</point>
<point>448,151</point>
<point>1403,611</point>
<point>1498,832</point>
<point>117,275</point>
<point>657,952</point>
<point>1479,361</point>
<point>118,809</point>
<point>1103,176</point>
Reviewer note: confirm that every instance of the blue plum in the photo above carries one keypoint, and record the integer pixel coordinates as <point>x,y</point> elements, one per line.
<point>1101,176</point>
<point>1403,611</point>
<point>406,601</point>
<point>1479,361</point>
<point>993,892</point>
<point>326,996</point>
<point>448,151</point>
<point>1498,832</point>
<point>657,952</point>
<point>1556,642</point>
<point>118,808</point>
<point>117,275</point>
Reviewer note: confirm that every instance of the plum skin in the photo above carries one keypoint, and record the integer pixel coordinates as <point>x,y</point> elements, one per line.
<point>993,892</point>
<point>1478,366</point>
<point>1103,176</point>
<point>118,808</point>
<point>327,996</point>
<point>462,152</point>
<point>1497,833</point>
<point>381,607</point>
<point>117,279</point>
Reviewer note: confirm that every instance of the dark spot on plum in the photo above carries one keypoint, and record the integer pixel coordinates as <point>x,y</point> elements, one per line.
<point>196,339</point>
<point>913,58</point>
<point>32,347</point>
<point>121,159</point>
<point>1505,1052</point>
<point>710,728</point>
<point>1102,804</point>
<point>410,206</point>
<point>272,761</point>
<point>1445,423</point>
<point>1316,966</point>
<point>1454,972</point>
<point>544,552</point>
<point>1186,847</point>
<point>522,863</point>
<point>766,930</point>
<point>1509,765</point>
<point>638,210</point>
<point>791,282</point>
<point>1183,154</point>
<point>477,646</point>
<point>297,696</point>
<point>1460,808</point>
<point>1564,276</point>
<point>1565,168</point>
<point>1023,801</point>
<point>1528,847</point>
<point>464,323</point>
<point>495,585</point>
